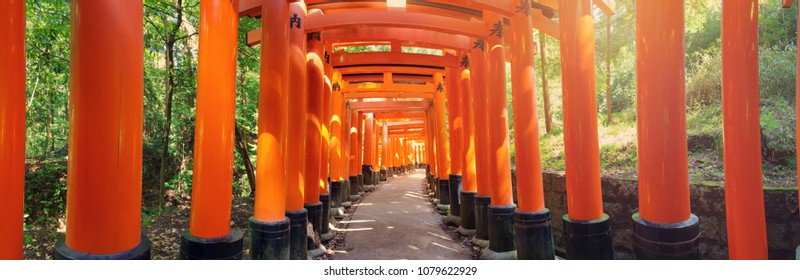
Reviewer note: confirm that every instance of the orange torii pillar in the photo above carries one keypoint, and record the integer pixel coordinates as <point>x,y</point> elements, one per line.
<point>396,155</point>
<point>296,134</point>
<point>440,119</point>
<point>347,186</point>
<point>104,181</point>
<point>325,233</point>
<point>664,227</point>
<point>744,194</point>
<point>337,148</point>
<point>534,233</point>
<point>269,227</point>
<point>315,94</point>
<point>376,153</point>
<point>389,157</point>
<point>586,227</point>
<point>366,168</point>
<point>354,166</point>
<point>385,153</point>
<point>210,235</point>
<point>456,129</point>
<point>469,185</point>
<point>501,209</point>
<point>359,123</point>
<point>483,196</point>
<point>12,128</point>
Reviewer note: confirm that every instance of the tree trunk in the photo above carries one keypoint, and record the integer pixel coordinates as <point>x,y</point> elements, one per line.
<point>170,35</point>
<point>608,69</point>
<point>241,146</point>
<point>548,118</point>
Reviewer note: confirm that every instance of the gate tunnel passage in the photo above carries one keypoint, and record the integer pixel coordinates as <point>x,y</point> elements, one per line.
<point>333,124</point>
<point>396,221</point>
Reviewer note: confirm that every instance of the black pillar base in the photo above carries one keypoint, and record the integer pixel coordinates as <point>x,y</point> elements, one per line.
<point>467,227</point>
<point>325,233</point>
<point>482,221</point>
<point>140,252</point>
<point>346,189</point>
<point>227,247</point>
<point>367,171</point>
<point>298,234</point>
<point>389,173</point>
<point>444,191</point>
<point>384,175</point>
<point>534,235</point>
<point>444,197</point>
<point>501,233</point>
<point>376,178</point>
<point>354,193</point>
<point>588,240</point>
<point>797,253</point>
<point>336,194</point>
<point>314,215</point>
<point>361,183</point>
<point>655,241</point>
<point>269,240</point>
<point>455,182</point>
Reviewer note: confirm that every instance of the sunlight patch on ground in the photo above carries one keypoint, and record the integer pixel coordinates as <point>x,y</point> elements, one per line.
<point>442,246</point>
<point>356,221</point>
<point>412,247</point>
<point>439,235</point>
<point>351,229</point>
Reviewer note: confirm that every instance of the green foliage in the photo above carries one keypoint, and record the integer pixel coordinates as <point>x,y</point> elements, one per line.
<point>45,192</point>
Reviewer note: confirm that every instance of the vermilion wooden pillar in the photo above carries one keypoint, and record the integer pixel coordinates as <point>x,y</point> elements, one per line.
<point>324,174</point>
<point>479,76</point>
<point>296,134</point>
<point>337,148</point>
<point>355,168</point>
<point>104,181</point>
<point>347,185</point>
<point>358,121</point>
<point>534,236</point>
<point>470,184</point>
<point>313,184</point>
<point>269,227</point>
<point>443,155</point>
<point>385,153</point>
<point>12,128</point>
<point>586,229</point>
<point>210,235</point>
<point>369,135</point>
<point>664,227</point>
<point>744,193</point>
<point>455,119</point>
<point>501,209</point>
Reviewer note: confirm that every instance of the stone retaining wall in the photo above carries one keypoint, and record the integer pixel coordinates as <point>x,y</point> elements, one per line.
<point>620,200</point>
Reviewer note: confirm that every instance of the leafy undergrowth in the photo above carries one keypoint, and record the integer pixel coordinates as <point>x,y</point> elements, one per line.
<point>618,146</point>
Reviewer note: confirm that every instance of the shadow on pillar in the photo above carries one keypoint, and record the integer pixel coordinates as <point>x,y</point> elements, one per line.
<point>501,234</point>
<point>444,196</point>
<point>588,240</point>
<point>227,247</point>
<point>298,234</point>
<point>655,241</point>
<point>481,238</point>
<point>467,227</point>
<point>454,189</point>
<point>140,252</point>
<point>325,233</point>
<point>269,240</point>
<point>534,235</point>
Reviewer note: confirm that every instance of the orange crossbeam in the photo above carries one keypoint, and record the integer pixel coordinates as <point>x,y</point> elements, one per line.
<point>474,29</point>
<point>394,58</point>
<point>399,70</point>
<point>399,115</point>
<point>382,106</point>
